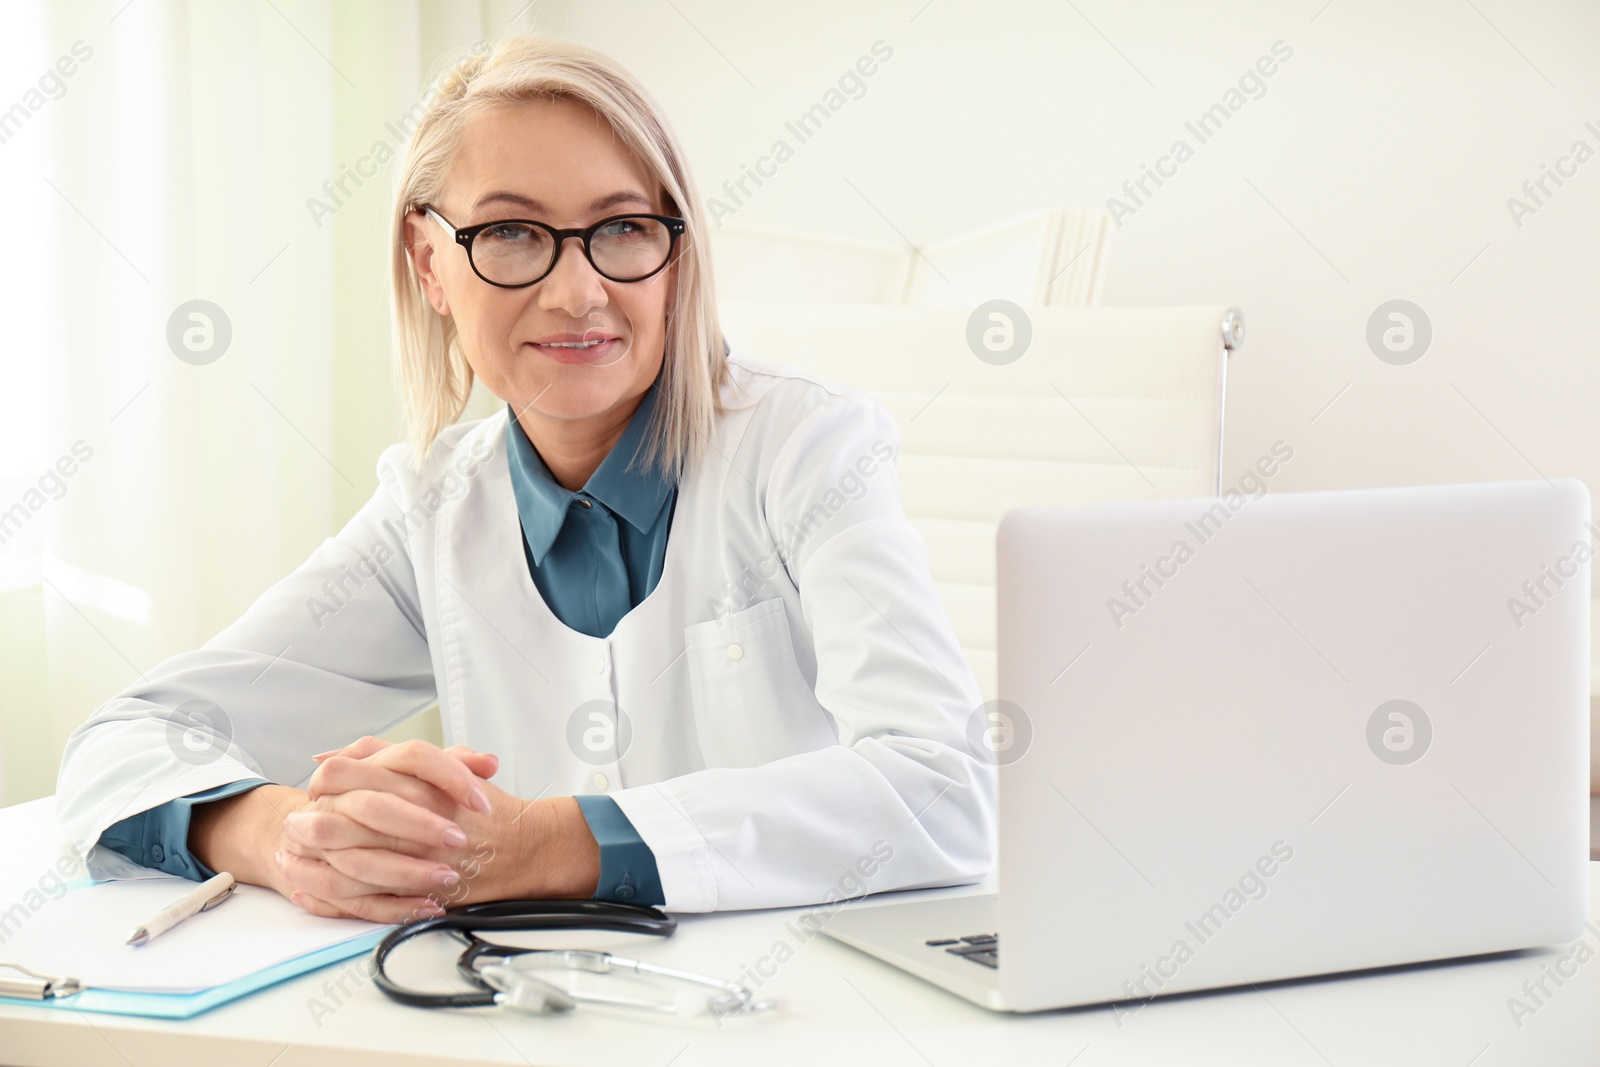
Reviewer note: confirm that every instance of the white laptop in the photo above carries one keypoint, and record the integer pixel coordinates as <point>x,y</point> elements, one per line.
<point>1250,739</point>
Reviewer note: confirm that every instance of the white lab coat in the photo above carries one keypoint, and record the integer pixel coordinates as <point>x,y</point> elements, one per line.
<point>794,706</point>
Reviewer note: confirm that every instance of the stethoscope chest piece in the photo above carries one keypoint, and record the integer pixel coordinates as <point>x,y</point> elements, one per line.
<point>525,993</point>
<point>522,986</point>
<point>523,979</point>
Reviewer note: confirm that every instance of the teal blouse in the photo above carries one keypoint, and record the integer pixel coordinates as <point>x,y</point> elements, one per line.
<point>593,554</point>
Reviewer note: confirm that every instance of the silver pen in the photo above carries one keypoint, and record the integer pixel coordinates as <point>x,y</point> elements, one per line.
<point>203,897</point>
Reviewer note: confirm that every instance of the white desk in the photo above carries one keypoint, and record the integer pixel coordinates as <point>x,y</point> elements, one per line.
<point>837,1006</point>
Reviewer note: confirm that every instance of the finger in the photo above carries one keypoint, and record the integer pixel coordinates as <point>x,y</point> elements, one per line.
<point>341,774</point>
<point>430,763</point>
<point>405,848</point>
<point>319,878</point>
<point>374,908</point>
<point>317,906</point>
<point>393,872</point>
<point>387,872</point>
<point>317,830</point>
<point>383,908</point>
<point>358,749</point>
<point>482,764</point>
<point>312,831</point>
<point>393,816</point>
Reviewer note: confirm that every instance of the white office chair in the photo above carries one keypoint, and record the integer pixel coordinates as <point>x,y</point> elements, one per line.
<point>1057,257</point>
<point>1105,403</point>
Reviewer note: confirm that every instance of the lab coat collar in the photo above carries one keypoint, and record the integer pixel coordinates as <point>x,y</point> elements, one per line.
<point>635,494</point>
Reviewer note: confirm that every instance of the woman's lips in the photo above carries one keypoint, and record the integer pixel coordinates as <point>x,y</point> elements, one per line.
<point>579,352</point>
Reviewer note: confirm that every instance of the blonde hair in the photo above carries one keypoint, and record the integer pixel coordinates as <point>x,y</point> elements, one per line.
<point>435,378</point>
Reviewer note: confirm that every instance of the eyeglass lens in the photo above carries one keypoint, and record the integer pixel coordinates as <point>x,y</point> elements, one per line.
<point>624,249</point>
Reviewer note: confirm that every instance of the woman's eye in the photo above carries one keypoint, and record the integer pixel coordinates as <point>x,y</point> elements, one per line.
<point>622,228</point>
<point>508,232</point>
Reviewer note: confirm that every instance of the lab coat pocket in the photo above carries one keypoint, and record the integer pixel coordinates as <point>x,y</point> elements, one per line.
<point>751,703</point>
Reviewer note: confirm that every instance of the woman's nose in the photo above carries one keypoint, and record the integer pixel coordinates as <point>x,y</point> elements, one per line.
<point>572,285</point>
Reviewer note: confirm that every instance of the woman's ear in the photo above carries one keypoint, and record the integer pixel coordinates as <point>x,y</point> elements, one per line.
<point>419,246</point>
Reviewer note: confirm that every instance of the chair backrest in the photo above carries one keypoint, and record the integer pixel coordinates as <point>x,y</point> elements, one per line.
<point>1057,257</point>
<point>1104,403</point>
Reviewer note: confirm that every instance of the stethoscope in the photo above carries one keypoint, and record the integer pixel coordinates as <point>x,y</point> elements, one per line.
<point>506,976</point>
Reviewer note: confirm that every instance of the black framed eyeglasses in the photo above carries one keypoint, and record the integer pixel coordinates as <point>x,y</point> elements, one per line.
<point>515,253</point>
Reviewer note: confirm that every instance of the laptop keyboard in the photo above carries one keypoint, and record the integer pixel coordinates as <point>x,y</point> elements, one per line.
<point>979,948</point>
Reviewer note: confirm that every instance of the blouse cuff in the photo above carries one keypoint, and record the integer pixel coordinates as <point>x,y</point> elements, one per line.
<point>159,837</point>
<point>628,873</point>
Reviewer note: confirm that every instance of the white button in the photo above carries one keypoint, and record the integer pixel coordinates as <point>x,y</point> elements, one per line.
<point>600,665</point>
<point>600,781</point>
<point>735,652</point>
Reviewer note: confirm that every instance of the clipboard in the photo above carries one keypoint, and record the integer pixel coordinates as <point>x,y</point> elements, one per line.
<point>25,986</point>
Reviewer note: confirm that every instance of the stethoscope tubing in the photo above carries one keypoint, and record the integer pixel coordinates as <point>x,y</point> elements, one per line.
<point>506,915</point>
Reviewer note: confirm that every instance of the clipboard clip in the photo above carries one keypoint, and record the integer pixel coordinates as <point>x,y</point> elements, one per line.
<point>36,986</point>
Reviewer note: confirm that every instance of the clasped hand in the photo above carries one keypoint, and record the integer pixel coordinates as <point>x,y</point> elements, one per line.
<point>390,832</point>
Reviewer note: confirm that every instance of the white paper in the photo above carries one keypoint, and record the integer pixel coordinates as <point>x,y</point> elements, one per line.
<point>81,935</point>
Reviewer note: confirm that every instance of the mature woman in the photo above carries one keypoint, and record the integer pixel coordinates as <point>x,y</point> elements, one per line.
<point>683,640</point>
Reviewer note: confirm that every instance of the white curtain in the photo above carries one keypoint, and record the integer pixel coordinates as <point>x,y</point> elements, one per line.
<point>221,152</point>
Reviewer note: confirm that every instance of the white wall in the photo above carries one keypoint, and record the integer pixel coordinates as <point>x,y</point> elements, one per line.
<point>1376,165</point>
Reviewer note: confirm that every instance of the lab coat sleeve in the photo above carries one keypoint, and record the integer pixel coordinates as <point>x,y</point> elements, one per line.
<point>333,651</point>
<point>904,800</point>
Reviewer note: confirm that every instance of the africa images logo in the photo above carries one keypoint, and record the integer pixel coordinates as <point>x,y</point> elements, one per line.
<point>1399,732</point>
<point>1138,592</point>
